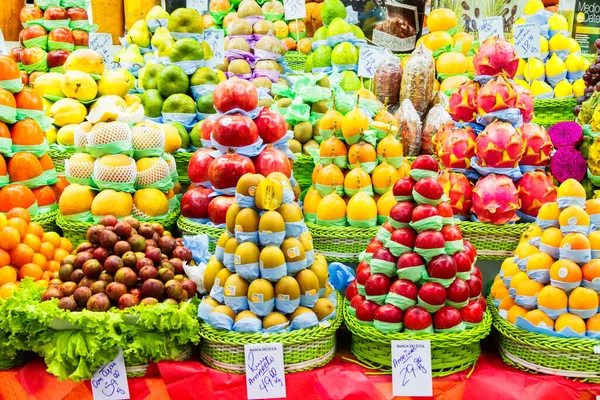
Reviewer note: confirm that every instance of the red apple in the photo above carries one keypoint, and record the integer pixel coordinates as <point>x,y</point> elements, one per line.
<point>194,203</point>
<point>424,211</point>
<point>401,212</point>
<point>82,38</point>
<point>472,312</point>
<point>30,13</point>
<point>429,188</point>
<point>61,34</point>
<point>217,209</point>
<point>470,249</point>
<point>458,291</point>
<point>373,246</point>
<point>365,311</point>
<point>271,125</point>
<point>406,288</point>
<point>351,290</point>
<point>225,171</point>
<point>362,276</point>
<point>32,55</point>
<point>362,265</point>
<point>403,187</point>
<point>441,267</point>
<point>57,58</point>
<point>477,272</point>
<point>357,300</point>
<point>446,317</point>
<point>385,255</point>
<point>451,233</point>
<point>54,13</point>
<point>31,32</point>
<point>198,166</point>
<point>425,162</point>
<point>482,303</point>
<point>387,226</point>
<point>377,285</point>
<point>388,313</point>
<point>404,236</point>
<point>410,259</point>
<point>430,240</point>
<point>235,93</point>
<point>234,131</point>
<point>417,318</point>
<point>445,209</point>
<point>16,53</point>
<point>432,293</point>
<point>206,128</point>
<point>25,78</point>
<point>462,261</point>
<point>475,287</point>
<point>77,14</point>
<point>272,160</point>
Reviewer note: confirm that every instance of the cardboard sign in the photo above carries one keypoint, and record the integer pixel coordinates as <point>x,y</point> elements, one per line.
<point>586,25</point>
<point>411,368</point>
<point>102,43</point>
<point>3,48</point>
<point>527,40</point>
<point>215,38</point>
<point>368,60</point>
<point>109,382</point>
<point>488,27</point>
<point>294,9</point>
<point>199,5</point>
<point>265,377</point>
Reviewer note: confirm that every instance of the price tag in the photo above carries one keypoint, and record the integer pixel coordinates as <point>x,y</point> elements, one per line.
<point>215,38</point>
<point>368,59</point>
<point>110,380</point>
<point>488,27</point>
<point>199,5</point>
<point>102,43</point>
<point>527,40</point>
<point>294,9</point>
<point>3,48</point>
<point>265,378</point>
<point>411,368</point>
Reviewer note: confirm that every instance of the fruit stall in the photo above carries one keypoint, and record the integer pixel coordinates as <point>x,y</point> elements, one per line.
<point>256,198</point>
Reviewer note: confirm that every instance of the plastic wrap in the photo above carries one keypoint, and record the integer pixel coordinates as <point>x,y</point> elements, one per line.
<point>417,80</point>
<point>436,117</point>
<point>387,79</point>
<point>410,128</point>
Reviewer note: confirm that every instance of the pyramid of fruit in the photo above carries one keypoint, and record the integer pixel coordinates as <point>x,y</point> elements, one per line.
<point>418,274</point>
<point>552,284</point>
<point>265,274</point>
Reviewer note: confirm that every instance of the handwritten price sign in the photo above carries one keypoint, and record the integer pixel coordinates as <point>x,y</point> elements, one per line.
<point>294,9</point>
<point>102,43</point>
<point>488,27</point>
<point>527,40</point>
<point>368,59</point>
<point>215,38</point>
<point>265,377</point>
<point>411,368</point>
<point>109,382</point>
<point>199,5</point>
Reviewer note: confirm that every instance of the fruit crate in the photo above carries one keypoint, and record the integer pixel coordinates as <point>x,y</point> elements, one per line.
<point>450,352</point>
<point>303,169</point>
<point>182,161</point>
<point>47,221</point>
<point>493,242</point>
<point>296,61</point>
<point>341,243</point>
<point>303,349</point>
<point>58,157</point>
<point>535,352</point>
<point>190,228</point>
<point>553,111</point>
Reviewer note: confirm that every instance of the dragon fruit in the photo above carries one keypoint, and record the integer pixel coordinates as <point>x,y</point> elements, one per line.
<point>499,146</point>
<point>495,200</point>
<point>459,190</point>
<point>568,163</point>
<point>457,147</point>
<point>524,102</point>
<point>496,56</point>
<point>496,95</point>
<point>462,105</point>
<point>535,188</point>
<point>537,145</point>
<point>566,134</point>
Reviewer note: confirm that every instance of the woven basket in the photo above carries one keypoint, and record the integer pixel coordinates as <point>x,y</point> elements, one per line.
<point>303,169</point>
<point>182,161</point>
<point>47,221</point>
<point>76,231</point>
<point>134,371</point>
<point>303,349</point>
<point>190,228</point>
<point>58,157</point>
<point>296,61</point>
<point>535,352</point>
<point>340,243</point>
<point>553,111</point>
<point>493,242</point>
<point>450,352</point>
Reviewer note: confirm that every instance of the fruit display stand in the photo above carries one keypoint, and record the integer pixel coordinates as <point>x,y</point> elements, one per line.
<point>341,243</point>
<point>47,220</point>
<point>303,169</point>
<point>182,160</point>
<point>296,61</point>
<point>493,242</point>
<point>552,111</point>
<point>303,349</point>
<point>58,156</point>
<point>191,228</point>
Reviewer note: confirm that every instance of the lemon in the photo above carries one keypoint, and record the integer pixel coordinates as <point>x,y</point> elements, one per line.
<point>586,64</point>
<point>574,46</point>
<point>65,135</point>
<point>563,89</point>
<point>522,83</point>
<point>539,88</point>
<point>451,63</point>
<point>68,111</point>
<point>543,45</point>
<point>521,69</point>
<point>51,135</point>
<point>559,42</point>
<point>532,7</point>
<point>555,66</point>
<point>575,62</point>
<point>520,21</point>
<point>578,87</point>
<point>558,23</point>
<point>534,70</point>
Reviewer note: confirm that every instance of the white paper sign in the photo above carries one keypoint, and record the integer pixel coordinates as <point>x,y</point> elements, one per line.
<point>102,43</point>
<point>294,9</point>
<point>527,40</point>
<point>110,380</point>
<point>488,27</point>
<point>265,378</point>
<point>199,5</point>
<point>368,60</point>
<point>411,368</point>
<point>3,49</point>
<point>215,38</point>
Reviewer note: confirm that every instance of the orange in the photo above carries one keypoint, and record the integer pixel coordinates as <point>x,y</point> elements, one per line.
<point>441,19</point>
<point>537,318</point>
<point>593,324</point>
<point>7,290</point>
<point>59,254</point>
<point>3,220</point>
<point>35,229</point>
<point>53,266</point>
<point>7,274</point>
<point>565,271</point>
<point>40,260</point>
<point>51,237</point>
<point>21,255</point>
<point>572,321</point>
<point>66,244</point>
<point>9,238</point>
<point>19,212</point>
<point>514,312</point>
<point>437,40</point>
<point>507,303</point>
<point>32,241</point>
<point>552,298</point>
<point>47,250</point>
<point>32,270</point>
<point>19,224</point>
<point>4,258</point>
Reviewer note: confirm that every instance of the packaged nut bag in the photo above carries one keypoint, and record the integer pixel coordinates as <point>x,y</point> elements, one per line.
<point>387,79</point>
<point>436,116</point>
<point>410,126</point>
<point>417,80</point>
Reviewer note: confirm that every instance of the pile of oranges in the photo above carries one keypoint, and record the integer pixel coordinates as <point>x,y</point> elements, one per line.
<point>27,251</point>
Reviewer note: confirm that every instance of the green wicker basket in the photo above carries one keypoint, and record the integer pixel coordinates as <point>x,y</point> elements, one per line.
<point>76,231</point>
<point>190,228</point>
<point>134,371</point>
<point>182,161</point>
<point>493,242</point>
<point>553,111</point>
<point>303,169</point>
<point>47,221</point>
<point>303,349</point>
<point>58,158</point>
<point>535,352</point>
<point>296,61</point>
<point>340,243</point>
<point>450,352</point>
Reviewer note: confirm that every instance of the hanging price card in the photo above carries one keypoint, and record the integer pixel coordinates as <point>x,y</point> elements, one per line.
<point>199,5</point>
<point>215,38</point>
<point>368,59</point>
<point>488,27</point>
<point>527,40</point>
<point>265,378</point>
<point>102,43</point>
<point>411,368</point>
<point>109,382</point>
<point>294,9</point>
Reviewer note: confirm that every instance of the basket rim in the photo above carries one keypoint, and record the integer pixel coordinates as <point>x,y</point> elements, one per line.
<point>348,230</point>
<point>183,221</point>
<point>64,223</point>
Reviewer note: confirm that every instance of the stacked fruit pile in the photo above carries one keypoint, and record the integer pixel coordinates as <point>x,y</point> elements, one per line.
<point>49,36</point>
<point>587,106</point>
<point>418,274</point>
<point>551,285</point>
<point>264,267</point>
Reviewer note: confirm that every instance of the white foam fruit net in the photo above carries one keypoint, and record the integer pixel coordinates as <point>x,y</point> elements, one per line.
<point>155,173</point>
<point>80,137</point>
<point>146,136</point>
<point>79,169</point>
<point>171,162</point>
<point>132,115</point>
<point>116,174</point>
<point>137,213</point>
<point>109,132</point>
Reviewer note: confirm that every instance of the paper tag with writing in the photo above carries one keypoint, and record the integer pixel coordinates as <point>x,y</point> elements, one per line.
<point>110,380</point>
<point>215,38</point>
<point>102,43</point>
<point>527,40</point>
<point>3,47</point>
<point>265,377</point>
<point>411,368</point>
<point>199,5</point>
<point>488,27</point>
<point>368,59</point>
<point>294,9</point>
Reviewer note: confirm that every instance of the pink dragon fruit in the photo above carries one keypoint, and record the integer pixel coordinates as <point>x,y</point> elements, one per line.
<point>457,148</point>
<point>440,135</point>
<point>495,200</point>
<point>537,145</point>
<point>499,146</point>
<point>496,56</point>
<point>496,95</point>
<point>535,189</point>
<point>567,163</point>
<point>524,102</point>
<point>459,190</point>
<point>462,105</point>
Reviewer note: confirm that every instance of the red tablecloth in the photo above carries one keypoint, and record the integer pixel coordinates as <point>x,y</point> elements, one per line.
<point>339,380</point>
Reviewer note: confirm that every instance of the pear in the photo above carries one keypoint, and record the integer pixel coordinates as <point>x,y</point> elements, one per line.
<point>139,34</point>
<point>248,8</point>
<point>156,12</point>
<point>132,55</point>
<point>186,20</point>
<point>161,35</point>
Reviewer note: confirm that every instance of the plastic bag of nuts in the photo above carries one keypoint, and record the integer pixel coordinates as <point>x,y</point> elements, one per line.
<point>387,79</point>
<point>417,80</point>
